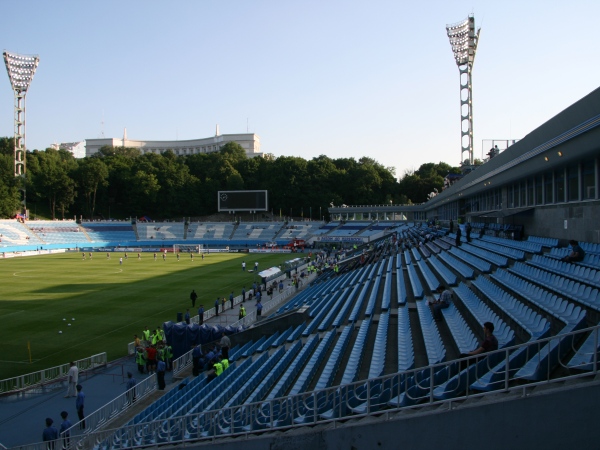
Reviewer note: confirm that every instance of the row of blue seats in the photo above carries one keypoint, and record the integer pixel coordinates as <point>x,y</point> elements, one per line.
<point>407,258</point>
<point>386,297</point>
<point>434,249</point>
<point>216,400</point>
<point>401,287</point>
<point>589,260</point>
<point>428,275</point>
<point>563,310</point>
<point>463,269</point>
<point>325,309</point>
<point>530,247</point>
<point>280,376</point>
<point>544,241</point>
<point>587,354</point>
<point>415,283</point>
<point>266,345</point>
<point>500,261</point>
<point>374,294</point>
<point>359,302</point>
<point>569,288</point>
<point>461,333</point>
<point>590,247</point>
<point>379,347</point>
<point>573,271</point>
<point>406,351</point>
<point>185,403</point>
<point>245,421</point>
<point>509,252</point>
<point>447,275</point>
<point>533,323</point>
<point>343,312</point>
<point>353,363</point>
<point>334,309</point>
<point>555,350</point>
<point>434,347</point>
<point>483,313</point>
<point>474,261</point>
<point>416,256</point>
<point>459,379</point>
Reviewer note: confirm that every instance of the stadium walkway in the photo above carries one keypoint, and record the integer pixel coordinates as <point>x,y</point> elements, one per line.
<point>22,415</point>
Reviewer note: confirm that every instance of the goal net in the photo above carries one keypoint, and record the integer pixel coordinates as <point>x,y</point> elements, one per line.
<point>186,248</point>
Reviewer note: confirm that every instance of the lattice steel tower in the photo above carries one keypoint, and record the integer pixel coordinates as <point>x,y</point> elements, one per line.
<point>463,40</point>
<point>21,69</point>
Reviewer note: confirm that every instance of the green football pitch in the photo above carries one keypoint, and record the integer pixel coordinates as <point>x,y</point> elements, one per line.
<point>104,302</point>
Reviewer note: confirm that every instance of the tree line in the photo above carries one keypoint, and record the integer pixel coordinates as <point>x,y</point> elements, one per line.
<point>122,182</point>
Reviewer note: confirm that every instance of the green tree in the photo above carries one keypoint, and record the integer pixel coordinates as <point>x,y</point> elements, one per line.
<point>92,173</point>
<point>51,174</point>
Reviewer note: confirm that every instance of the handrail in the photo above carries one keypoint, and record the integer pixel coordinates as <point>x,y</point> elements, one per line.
<point>33,379</point>
<point>112,409</point>
<point>388,393</point>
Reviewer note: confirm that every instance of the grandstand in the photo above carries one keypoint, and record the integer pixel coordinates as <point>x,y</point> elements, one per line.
<point>369,345</point>
<point>368,366</point>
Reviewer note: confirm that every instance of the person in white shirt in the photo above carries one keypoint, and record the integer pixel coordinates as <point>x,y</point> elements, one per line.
<point>72,379</point>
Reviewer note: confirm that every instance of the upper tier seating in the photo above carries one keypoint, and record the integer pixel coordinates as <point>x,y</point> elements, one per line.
<point>109,231</point>
<point>58,232</point>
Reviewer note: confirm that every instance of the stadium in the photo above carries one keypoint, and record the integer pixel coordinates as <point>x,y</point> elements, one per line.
<point>344,350</point>
<point>355,359</point>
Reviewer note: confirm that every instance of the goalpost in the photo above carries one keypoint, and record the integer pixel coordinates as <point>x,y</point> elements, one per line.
<point>186,248</point>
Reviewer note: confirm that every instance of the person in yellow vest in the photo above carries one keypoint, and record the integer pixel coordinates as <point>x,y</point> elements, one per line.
<point>242,313</point>
<point>146,334</point>
<point>225,363</point>
<point>218,367</point>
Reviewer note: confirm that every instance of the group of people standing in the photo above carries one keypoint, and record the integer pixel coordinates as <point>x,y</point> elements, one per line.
<point>51,434</point>
<point>154,354</point>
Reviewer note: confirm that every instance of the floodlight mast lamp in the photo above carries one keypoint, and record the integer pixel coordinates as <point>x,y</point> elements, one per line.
<point>463,40</point>
<point>21,69</point>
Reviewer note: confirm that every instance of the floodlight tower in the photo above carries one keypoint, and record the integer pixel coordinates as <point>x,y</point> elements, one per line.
<point>21,69</point>
<point>463,40</point>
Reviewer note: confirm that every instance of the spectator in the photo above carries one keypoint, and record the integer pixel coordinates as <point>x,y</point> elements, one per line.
<point>489,344</point>
<point>201,314</point>
<point>196,357</point>
<point>79,404</point>
<point>64,429</point>
<point>442,302</point>
<point>129,387</point>
<point>458,236</point>
<point>259,308</point>
<point>140,359</point>
<point>187,316</point>
<point>577,254</point>
<point>160,374</point>
<point>50,434</point>
<point>73,378</point>
<point>225,345</point>
<point>151,359</point>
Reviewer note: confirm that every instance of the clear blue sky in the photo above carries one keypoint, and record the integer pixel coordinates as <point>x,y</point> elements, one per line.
<point>339,78</point>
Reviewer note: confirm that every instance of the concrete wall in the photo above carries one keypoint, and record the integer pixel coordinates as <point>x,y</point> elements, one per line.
<point>582,221</point>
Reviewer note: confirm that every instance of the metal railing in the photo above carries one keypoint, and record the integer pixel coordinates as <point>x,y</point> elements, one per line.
<point>33,379</point>
<point>112,409</point>
<point>382,395</point>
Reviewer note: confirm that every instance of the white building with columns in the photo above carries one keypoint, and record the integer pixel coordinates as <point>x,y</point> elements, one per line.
<point>250,142</point>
